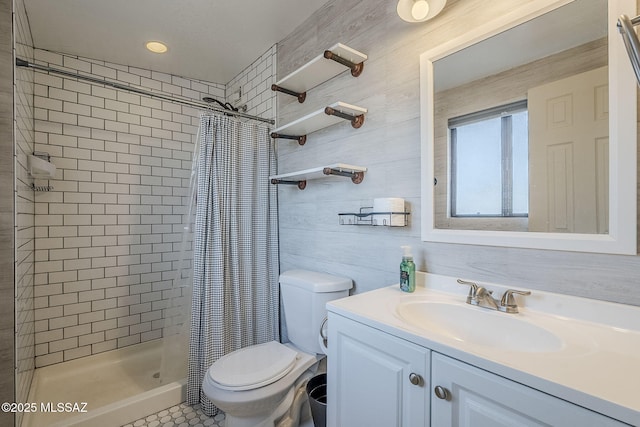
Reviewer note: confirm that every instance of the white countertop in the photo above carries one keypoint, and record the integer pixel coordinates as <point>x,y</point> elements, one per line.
<point>597,366</point>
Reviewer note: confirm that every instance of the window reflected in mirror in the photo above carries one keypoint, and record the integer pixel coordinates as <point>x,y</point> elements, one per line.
<point>489,162</point>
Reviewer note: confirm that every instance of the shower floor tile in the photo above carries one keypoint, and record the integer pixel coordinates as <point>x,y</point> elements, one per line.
<point>182,415</point>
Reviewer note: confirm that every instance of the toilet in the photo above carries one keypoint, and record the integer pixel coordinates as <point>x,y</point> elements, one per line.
<point>264,385</point>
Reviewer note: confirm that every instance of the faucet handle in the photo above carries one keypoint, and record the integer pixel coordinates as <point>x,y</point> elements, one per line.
<point>508,302</point>
<point>473,290</point>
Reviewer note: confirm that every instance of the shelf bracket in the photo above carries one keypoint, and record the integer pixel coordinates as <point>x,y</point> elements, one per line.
<point>356,121</point>
<point>300,95</point>
<point>302,139</point>
<point>356,69</point>
<point>356,177</point>
<point>300,184</point>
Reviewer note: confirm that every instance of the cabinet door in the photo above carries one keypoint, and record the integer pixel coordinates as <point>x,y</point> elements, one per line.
<point>478,398</point>
<point>369,381</point>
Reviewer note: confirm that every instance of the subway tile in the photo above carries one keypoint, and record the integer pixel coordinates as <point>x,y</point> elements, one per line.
<point>77,242</point>
<point>74,265</point>
<point>75,353</point>
<point>75,86</point>
<point>74,331</point>
<point>93,252</point>
<point>74,108</point>
<point>91,274</point>
<point>129,340</point>
<point>104,304</point>
<point>119,209</point>
<point>63,299</point>
<point>47,289</point>
<point>91,122</point>
<point>82,307</point>
<point>91,230</point>
<point>49,104</point>
<point>91,338</point>
<point>91,317</point>
<point>59,323</point>
<point>116,106</point>
<point>104,346</point>
<point>92,295</point>
<point>119,168</point>
<point>140,110</point>
<point>102,283</point>
<point>48,80</point>
<point>115,126</point>
<point>60,345</point>
<point>129,98</point>
<point>77,286</point>
<point>90,100</point>
<point>49,359</point>
<point>48,313</point>
<point>104,262</point>
<point>103,92</point>
<point>104,71</point>
<point>104,240</point>
<point>41,349</point>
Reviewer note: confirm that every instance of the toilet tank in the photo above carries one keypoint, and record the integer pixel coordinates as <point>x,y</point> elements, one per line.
<point>304,298</point>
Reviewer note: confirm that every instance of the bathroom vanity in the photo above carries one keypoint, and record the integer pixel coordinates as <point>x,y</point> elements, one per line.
<point>430,359</point>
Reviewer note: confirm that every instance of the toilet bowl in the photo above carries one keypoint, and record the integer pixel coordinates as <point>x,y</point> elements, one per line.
<point>250,383</point>
<point>263,385</point>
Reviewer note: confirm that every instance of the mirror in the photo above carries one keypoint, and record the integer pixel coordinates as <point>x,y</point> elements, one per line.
<point>500,108</point>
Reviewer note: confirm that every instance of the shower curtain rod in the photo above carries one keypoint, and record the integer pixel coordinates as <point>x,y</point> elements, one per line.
<point>202,105</point>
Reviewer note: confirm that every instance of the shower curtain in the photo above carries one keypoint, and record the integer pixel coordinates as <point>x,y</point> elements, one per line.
<point>235,283</point>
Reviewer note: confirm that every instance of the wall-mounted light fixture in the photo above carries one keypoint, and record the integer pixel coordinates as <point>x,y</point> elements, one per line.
<point>419,10</point>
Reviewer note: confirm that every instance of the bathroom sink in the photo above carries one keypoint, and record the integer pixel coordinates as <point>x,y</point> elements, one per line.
<point>479,326</point>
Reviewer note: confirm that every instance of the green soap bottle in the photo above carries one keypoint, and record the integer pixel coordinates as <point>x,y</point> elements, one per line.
<point>407,271</point>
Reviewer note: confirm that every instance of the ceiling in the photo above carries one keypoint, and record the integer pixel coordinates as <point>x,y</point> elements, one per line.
<point>211,40</point>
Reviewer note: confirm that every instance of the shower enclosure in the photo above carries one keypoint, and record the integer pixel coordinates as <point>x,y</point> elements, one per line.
<point>110,249</point>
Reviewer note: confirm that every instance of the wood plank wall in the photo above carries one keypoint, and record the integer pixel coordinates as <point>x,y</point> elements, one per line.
<point>7,216</point>
<point>389,145</point>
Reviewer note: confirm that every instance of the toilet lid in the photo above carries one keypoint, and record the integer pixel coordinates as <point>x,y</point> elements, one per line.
<point>253,367</point>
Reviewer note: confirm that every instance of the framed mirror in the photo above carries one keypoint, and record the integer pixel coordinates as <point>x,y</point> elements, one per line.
<point>528,128</point>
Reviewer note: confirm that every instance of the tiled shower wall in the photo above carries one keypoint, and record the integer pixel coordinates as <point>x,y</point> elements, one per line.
<point>24,197</point>
<point>108,234</point>
<point>254,83</point>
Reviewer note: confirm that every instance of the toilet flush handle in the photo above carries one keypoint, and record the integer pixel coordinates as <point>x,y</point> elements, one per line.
<point>324,337</point>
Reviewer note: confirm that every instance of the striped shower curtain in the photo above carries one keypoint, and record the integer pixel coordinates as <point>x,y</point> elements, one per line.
<point>235,284</point>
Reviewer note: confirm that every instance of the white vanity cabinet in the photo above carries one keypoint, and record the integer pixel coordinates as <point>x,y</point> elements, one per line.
<point>371,377</point>
<point>472,397</point>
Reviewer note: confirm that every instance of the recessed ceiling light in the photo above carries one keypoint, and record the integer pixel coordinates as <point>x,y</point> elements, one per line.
<point>156,47</point>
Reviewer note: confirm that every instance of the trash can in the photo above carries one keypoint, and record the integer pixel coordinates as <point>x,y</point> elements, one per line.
<point>317,392</point>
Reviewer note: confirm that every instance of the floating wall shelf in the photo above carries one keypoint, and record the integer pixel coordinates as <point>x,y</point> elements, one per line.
<point>320,119</point>
<point>300,178</point>
<point>320,69</point>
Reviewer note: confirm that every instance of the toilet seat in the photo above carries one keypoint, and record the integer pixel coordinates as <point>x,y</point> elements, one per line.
<point>253,367</point>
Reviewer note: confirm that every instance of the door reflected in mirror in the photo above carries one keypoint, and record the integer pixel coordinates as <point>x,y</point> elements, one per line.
<point>521,127</point>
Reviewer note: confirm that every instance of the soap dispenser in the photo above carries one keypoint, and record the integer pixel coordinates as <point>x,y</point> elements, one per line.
<point>407,271</point>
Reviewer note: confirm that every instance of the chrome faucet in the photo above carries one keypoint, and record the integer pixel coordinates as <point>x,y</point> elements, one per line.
<point>480,296</point>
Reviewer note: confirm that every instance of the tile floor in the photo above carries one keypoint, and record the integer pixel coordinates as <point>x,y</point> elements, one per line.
<point>181,415</point>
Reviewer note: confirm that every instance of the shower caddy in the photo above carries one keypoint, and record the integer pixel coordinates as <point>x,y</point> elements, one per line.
<point>310,75</point>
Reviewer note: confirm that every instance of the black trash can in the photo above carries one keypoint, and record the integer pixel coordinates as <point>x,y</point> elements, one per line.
<point>317,392</point>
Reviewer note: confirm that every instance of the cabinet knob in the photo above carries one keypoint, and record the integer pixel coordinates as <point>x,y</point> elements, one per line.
<point>416,379</point>
<point>442,393</point>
